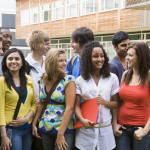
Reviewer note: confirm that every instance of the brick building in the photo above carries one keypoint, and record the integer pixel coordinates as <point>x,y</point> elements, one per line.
<point>60,17</point>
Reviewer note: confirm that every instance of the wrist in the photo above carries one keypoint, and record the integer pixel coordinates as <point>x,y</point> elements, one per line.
<point>3,135</point>
<point>145,132</point>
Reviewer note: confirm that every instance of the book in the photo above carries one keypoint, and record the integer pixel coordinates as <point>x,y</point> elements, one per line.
<point>89,110</point>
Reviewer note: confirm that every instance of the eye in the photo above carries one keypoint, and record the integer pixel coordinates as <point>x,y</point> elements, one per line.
<point>10,58</point>
<point>17,58</point>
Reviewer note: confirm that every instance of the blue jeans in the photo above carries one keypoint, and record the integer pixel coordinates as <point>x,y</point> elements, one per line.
<point>49,141</point>
<point>126,140</point>
<point>21,139</point>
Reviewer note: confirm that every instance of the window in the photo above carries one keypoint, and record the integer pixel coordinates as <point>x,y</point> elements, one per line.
<point>34,15</point>
<point>24,17</point>
<point>88,7</point>
<point>72,8</point>
<point>122,3</point>
<point>106,5</point>
<point>45,13</point>
<point>57,8</point>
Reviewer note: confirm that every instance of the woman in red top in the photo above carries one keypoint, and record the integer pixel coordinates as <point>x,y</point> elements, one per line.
<point>133,122</point>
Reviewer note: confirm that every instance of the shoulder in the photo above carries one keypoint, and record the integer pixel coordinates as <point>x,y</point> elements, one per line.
<point>80,78</point>
<point>29,78</point>
<point>69,78</point>
<point>2,79</point>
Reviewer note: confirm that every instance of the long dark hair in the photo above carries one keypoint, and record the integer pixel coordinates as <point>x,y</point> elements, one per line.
<point>143,53</point>
<point>86,65</point>
<point>8,76</point>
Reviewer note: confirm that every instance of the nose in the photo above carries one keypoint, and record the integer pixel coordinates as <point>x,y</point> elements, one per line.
<point>71,44</point>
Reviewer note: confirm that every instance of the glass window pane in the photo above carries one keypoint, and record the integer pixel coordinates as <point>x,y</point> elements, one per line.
<point>97,39</point>
<point>64,41</point>
<point>83,8</point>
<point>89,6</point>
<point>135,37</point>
<point>58,13</point>
<point>46,15</point>
<point>148,43</point>
<point>73,10</point>
<point>68,54</point>
<point>147,36</point>
<point>109,4</point>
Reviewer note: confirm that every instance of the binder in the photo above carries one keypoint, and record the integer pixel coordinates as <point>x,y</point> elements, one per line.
<point>89,111</point>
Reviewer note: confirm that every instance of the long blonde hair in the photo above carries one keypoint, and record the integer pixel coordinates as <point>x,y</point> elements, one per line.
<point>50,64</point>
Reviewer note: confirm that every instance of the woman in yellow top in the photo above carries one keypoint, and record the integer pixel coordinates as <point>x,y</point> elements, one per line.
<point>13,67</point>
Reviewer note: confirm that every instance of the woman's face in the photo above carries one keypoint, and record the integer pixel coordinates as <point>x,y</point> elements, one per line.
<point>97,58</point>
<point>61,63</point>
<point>132,58</point>
<point>14,62</point>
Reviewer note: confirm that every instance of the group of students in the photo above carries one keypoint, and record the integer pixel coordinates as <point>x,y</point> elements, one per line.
<point>121,88</point>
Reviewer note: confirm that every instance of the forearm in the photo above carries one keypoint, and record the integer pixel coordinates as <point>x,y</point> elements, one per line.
<point>111,104</point>
<point>78,113</point>
<point>3,131</point>
<point>65,121</point>
<point>115,116</point>
<point>30,115</point>
<point>39,109</point>
<point>147,126</point>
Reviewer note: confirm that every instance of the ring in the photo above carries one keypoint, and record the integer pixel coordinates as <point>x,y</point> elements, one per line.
<point>121,126</point>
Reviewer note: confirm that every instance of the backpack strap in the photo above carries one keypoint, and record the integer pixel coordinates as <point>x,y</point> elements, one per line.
<point>72,61</point>
<point>29,68</point>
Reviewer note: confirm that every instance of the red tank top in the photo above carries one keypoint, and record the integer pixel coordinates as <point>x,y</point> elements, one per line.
<point>135,108</point>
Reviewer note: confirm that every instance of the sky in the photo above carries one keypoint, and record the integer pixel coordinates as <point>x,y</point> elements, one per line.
<point>8,4</point>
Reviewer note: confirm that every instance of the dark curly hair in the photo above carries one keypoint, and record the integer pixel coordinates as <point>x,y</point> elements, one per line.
<point>86,64</point>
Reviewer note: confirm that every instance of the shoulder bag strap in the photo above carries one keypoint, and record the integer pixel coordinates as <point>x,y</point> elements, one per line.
<point>50,93</point>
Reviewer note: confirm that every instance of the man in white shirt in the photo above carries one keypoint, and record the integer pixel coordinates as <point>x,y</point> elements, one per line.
<point>39,43</point>
<point>6,42</point>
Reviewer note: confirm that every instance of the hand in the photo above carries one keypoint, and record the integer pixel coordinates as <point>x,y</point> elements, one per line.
<point>5,143</point>
<point>34,132</point>
<point>87,123</point>
<point>116,129</point>
<point>18,122</point>
<point>60,142</point>
<point>138,134</point>
<point>100,100</point>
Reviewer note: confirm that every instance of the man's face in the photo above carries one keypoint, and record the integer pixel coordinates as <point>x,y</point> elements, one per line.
<point>7,39</point>
<point>1,51</point>
<point>76,47</point>
<point>122,48</point>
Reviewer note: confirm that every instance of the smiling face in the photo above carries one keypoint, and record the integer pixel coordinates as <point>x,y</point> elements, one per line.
<point>122,48</point>
<point>14,62</point>
<point>7,39</point>
<point>1,51</point>
<point>44,49</point>
<point>61,63</point>
<point>76,47</point>
<point>97,58</point>
<point>132,58</point>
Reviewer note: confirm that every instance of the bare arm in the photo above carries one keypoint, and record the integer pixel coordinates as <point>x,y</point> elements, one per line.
<point>86,123</point>
<point>116,126</point>
<point>113,104</point>
<point>70,93</point>
<point>5,141</point>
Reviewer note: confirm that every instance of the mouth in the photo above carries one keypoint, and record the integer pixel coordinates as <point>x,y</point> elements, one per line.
<point>99,63</point>
<point>8,44</point>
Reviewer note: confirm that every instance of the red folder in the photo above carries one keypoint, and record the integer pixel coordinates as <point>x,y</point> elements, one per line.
<point>89,110</point>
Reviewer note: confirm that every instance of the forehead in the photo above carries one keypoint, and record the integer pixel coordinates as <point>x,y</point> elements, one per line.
<point>131,51</point>
<point>97,50</point>
<point>14,54</point>
<point>5,31</point>
<point>125,41</point>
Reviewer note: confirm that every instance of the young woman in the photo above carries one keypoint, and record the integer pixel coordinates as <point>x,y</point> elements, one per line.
<point>96,81</point>
<point>13,67</point>
<point>56,126</point>
<point>133,116</point>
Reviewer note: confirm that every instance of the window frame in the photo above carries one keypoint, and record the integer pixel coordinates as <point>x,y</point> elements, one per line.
<point>85,7</point>
<point>42,13</point>
<point>22,16</point>
<point>54,9</point>
<point>104,7</point>
<point>31,22</point>
<point>66,5</point>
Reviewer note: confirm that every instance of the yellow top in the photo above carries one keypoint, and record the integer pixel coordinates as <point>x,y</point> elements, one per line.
<point>9,99</point>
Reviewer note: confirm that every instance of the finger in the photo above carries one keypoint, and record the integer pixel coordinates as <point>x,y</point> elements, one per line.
<point>123,127</point>
<point>10,144</point>
<point>64,146</point>
<point>90,122</point>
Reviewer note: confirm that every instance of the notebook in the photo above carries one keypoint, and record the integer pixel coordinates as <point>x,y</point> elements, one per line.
<point>89,110</point>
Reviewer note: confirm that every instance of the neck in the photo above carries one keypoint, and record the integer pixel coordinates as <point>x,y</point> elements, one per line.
<point>136,71</point>
<point>96,73</point>
<point>80,53</point>
<point>36,56</point>
<point>121,59</point>
<point>14,74</point>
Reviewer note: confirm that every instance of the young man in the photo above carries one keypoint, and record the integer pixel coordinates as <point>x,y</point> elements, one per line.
<point>118,64</point>
<point>39,43</point>
<point>5,43</point>
<point>79,38</point>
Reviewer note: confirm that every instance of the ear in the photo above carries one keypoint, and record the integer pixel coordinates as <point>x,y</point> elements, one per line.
<point>115,47</point>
